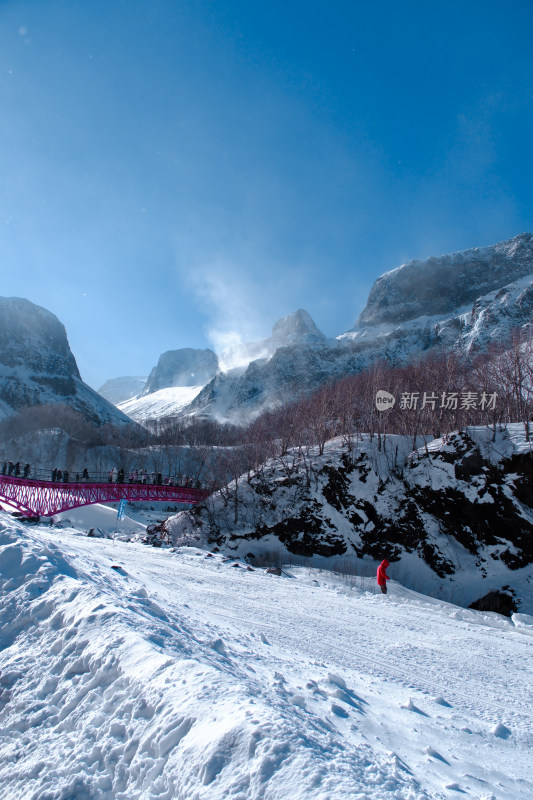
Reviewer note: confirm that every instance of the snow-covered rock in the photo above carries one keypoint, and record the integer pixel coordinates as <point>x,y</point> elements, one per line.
<point>37,366</point>
<point>454,518</point>
<point>118,390</point>
<point>440,286</point>
<point>179,368</point>
<point>459,302</point>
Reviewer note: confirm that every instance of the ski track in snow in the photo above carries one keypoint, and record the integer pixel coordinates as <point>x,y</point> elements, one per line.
<point>180,675</point>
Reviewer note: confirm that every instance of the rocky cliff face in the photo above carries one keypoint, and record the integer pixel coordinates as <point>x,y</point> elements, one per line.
<point>296,357</point>
<point>444,285</point>
<point>37,365</point>
<point>118,390</point>
<point>184,367</point>
<point>460,302</point>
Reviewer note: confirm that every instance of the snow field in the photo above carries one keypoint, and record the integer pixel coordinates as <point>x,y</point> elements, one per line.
<point>131,672</point>
<point>164,402</point>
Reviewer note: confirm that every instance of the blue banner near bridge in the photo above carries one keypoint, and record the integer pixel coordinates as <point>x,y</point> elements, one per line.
<point>121,513</point>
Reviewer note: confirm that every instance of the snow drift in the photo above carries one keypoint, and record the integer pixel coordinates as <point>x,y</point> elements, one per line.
<point>134,673</point>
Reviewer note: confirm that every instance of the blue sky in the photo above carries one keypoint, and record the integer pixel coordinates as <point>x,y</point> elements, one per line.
<point>177,174</point>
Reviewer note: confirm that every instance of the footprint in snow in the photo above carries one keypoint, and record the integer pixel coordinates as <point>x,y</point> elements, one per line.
<point>298,700</point>
<point>336,680</point>
<point>454,787</point>
<point>338,711</point>
<point>343,693</point>
<point>349,698</point>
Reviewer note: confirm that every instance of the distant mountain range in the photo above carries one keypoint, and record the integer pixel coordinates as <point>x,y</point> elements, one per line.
<point>460,302</point>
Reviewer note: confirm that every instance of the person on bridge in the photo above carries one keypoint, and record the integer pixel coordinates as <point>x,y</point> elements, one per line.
<point>382,576</point>
<point>85,474</point>
<point>26,470</point>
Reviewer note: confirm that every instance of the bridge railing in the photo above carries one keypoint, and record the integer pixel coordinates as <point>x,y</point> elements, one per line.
<point>113,476</point>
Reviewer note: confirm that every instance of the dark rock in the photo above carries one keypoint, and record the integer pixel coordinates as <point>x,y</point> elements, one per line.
<point>498,601</point>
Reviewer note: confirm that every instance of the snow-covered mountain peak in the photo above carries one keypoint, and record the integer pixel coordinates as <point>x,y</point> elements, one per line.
<point>440,285</point>
<point>34,338</point>
<point>184,367</point>
<point>120,390</point>
<point>37,366</point>
<point>296,328</point>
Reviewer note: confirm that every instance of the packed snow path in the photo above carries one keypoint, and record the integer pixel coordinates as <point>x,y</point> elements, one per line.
<point>129,672</point>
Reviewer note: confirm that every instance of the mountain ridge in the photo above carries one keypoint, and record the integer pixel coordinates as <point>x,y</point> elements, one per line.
<point>459,302</point>
<point>37,366</point>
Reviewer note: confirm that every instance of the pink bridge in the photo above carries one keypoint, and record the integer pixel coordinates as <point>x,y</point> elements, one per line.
<point>44,498</point>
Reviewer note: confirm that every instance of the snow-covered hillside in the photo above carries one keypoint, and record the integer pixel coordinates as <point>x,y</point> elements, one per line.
<point>160,404</point>
<point>456,517</point>
<point>135,673</point>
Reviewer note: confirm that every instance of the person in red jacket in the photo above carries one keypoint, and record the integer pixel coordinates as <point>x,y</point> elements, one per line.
<point>382,576</point>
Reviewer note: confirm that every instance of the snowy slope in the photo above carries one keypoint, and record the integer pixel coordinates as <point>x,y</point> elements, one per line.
<point>163,403</point>
<point>457,519</point>
<point>180,676</point>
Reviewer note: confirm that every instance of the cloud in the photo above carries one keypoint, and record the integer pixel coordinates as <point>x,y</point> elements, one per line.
<point>236,302</point>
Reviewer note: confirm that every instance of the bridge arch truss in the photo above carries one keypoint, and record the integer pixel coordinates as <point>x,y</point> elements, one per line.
<point>46,498</point>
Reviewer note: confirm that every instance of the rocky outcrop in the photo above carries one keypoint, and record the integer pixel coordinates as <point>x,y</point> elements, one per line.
<point>184,367</point>
<point>457,515</point>
<point>37,366</point>
<point>443,285</point>
<point>118,390</point>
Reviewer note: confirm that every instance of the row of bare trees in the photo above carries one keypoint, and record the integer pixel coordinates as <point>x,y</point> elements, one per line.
<point>433,396</point>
